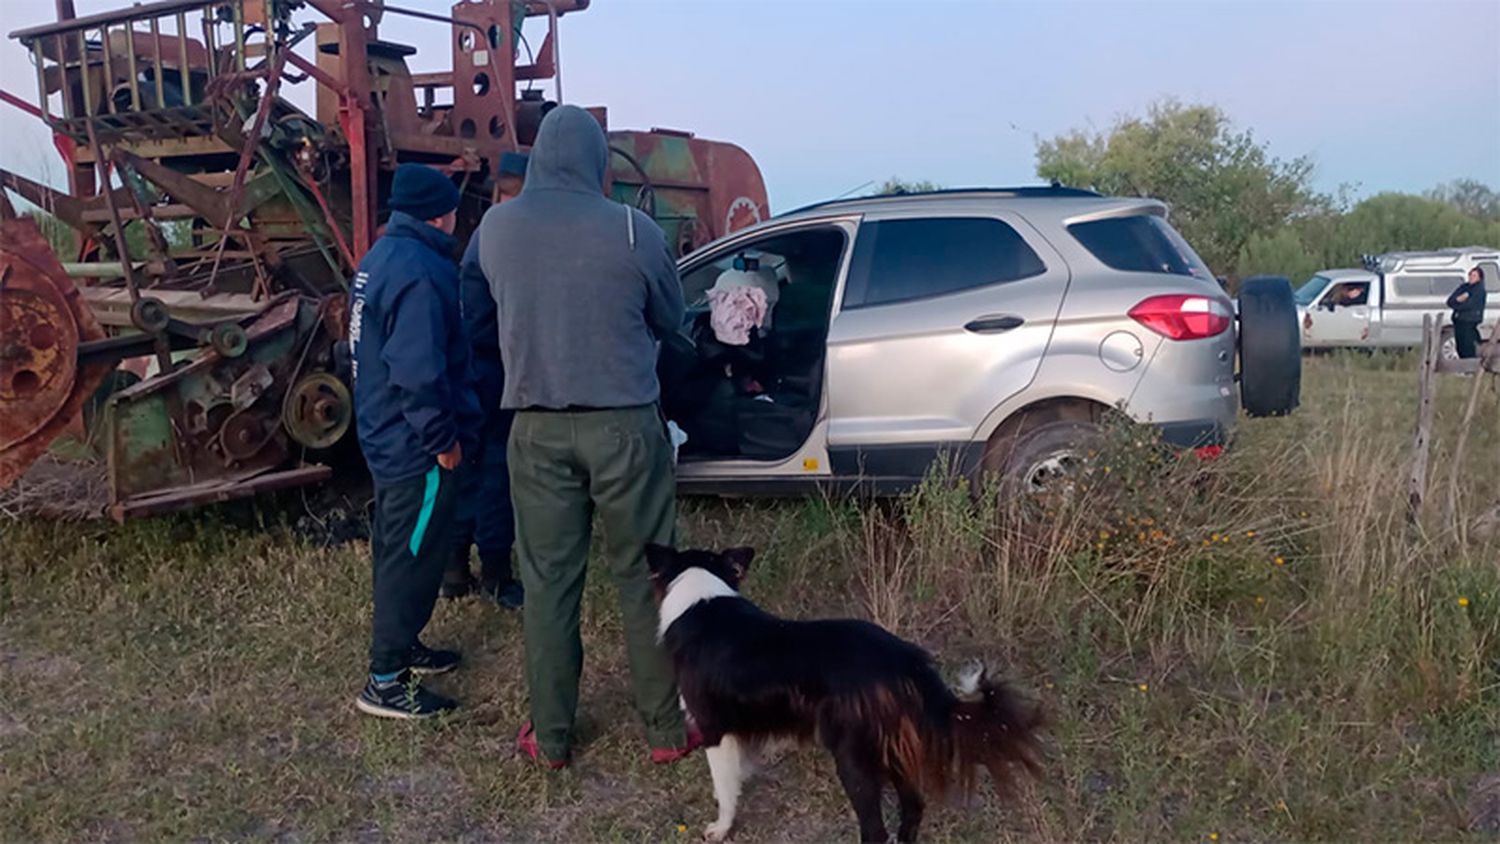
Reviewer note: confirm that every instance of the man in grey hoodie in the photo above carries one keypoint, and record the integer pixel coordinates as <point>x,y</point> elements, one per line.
<point>584,288</point>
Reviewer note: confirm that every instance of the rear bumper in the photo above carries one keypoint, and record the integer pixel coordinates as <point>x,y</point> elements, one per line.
<point>1193,433</point>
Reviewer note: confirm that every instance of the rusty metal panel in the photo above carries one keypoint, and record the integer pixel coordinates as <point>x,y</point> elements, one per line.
<point>703,189</point>
<point>206,420</point>
<point>267,208</point>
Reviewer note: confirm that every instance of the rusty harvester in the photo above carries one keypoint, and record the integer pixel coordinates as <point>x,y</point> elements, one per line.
<point>194,293</point>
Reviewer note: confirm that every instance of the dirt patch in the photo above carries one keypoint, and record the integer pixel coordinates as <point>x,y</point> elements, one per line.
<point>11,727</point>
<point>1484,805</point>
<point>34,666</point>
<point>429,783</point>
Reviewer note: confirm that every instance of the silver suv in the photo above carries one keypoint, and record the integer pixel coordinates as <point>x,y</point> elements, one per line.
<point>997,327</point>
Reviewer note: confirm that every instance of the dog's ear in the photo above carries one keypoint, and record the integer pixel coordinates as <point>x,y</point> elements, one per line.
<point>738,560</point>
<point>659,558</point>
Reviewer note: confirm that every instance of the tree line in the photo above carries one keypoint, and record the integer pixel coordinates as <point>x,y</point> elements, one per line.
<point>1246,211</point>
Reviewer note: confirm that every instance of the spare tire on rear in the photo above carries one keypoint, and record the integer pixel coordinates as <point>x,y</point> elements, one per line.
<point>1270,347</point>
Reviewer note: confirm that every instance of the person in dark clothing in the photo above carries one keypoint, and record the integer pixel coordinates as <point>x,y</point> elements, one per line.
<point>1468,303</point>
<point>584,288</point>
<point>484,517</point>
<point>416,415</point>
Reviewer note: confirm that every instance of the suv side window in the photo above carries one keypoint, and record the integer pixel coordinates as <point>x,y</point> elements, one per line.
<point>1142,243</point>
<point>902,260</point>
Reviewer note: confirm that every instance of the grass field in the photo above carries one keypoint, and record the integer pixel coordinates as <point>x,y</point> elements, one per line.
<point>1262,649</point>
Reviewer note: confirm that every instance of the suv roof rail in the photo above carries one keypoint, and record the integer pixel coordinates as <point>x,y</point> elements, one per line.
<point>1053,190</point>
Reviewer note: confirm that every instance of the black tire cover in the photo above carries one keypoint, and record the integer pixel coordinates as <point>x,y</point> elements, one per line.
<point>1270,347</point>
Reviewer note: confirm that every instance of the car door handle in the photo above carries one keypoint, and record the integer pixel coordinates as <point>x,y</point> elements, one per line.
<point>993,324</point>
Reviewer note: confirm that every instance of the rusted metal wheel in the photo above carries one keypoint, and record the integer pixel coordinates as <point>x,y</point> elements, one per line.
<point>42,322</point>
<point>228,339</point>
<point>36,360</point>
<point>317,410</point>
<point>244,434</point>
<point>150,315</point>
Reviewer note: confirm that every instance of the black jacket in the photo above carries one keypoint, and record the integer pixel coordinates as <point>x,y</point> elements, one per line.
<point>412,394</point>
<point>1471,309</point>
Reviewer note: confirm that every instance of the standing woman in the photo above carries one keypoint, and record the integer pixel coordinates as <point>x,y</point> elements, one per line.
<point>1468,304</point>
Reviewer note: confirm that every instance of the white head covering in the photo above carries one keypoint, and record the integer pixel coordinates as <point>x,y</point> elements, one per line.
<point>761,278</point>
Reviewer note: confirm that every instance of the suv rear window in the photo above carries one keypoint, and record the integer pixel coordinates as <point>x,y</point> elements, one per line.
<point>901,260</point>
<point>1144,243</point>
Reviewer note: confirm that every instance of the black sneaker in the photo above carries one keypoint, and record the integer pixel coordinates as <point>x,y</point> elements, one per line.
<point>507,593</point>
<point>402,698</point>
<point>425,660</point>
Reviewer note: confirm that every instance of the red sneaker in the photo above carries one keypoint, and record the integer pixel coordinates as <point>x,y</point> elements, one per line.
<point>526,746</point>
<point>668,755</point>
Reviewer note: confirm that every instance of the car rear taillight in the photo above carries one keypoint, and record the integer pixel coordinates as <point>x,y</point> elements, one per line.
<point>1184,317</point>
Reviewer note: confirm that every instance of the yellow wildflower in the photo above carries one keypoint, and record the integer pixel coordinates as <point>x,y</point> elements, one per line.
<point>681,828</point>
<point>1463,601</point>
<point>1249,534</point>
<point>1213,836</point>
<point>1144,687</point>
<point>1280,561</point>
<point>1260,599</point>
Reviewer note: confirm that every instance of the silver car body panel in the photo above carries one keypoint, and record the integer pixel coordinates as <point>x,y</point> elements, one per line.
<point>908,374</point>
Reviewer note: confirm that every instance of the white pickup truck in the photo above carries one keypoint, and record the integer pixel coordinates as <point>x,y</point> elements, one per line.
<point>1382,304</point>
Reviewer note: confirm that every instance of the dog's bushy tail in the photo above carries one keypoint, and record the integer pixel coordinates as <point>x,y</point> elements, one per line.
<point>937,739</point>
<point>992,728</point>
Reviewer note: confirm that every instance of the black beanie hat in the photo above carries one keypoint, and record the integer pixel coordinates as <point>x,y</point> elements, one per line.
<point>422,191</point>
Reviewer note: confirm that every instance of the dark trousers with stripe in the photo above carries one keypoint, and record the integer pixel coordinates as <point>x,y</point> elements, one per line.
<point>409,544</point>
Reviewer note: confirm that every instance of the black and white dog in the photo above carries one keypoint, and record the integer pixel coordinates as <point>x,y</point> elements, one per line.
<point>872,699</point>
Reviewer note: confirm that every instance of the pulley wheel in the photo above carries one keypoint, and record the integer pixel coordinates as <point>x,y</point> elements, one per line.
<point>228,339</point>
<point>317,410</point>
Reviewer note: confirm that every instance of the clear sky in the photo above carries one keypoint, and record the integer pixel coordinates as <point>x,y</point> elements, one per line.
<point>830,94</point>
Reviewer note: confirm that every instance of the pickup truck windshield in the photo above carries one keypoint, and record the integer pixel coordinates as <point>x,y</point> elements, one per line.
<point>1309,292</point>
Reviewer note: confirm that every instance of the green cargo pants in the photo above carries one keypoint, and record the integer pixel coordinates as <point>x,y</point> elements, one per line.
<point>565,468</point>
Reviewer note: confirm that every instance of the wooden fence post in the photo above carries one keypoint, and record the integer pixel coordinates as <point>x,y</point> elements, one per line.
<point>1416,486</point>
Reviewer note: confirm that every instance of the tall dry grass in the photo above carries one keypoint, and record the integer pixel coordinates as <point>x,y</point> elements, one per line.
<point>1286,570</point>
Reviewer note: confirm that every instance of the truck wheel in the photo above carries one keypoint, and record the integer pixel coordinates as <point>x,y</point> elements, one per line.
<point>1270,347</point>
<point>1448,346</point>
<point>1049,457</point>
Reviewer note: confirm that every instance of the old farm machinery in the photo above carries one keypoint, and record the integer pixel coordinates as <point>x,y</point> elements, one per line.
<point>226,162</point>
